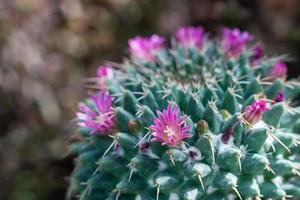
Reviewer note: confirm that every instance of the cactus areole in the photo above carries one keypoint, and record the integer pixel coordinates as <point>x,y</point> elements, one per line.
<point>189,118</point>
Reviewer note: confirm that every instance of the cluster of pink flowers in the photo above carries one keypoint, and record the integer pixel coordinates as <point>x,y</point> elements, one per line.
<point>145,48</point>
<point>190,37</point>
<point>278,70</point>
<point>234,41</point>
<point>254,112</point>
<point>169,127</point>
<point>100,117</point>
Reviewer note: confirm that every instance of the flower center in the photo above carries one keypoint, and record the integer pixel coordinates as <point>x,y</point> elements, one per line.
<point>169,131</point>
<point>100,118</point>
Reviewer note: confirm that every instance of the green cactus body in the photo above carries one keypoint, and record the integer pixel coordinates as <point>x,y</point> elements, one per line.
<point>226,150</point>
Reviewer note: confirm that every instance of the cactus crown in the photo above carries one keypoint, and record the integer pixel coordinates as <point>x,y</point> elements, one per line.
<point>202,119</point>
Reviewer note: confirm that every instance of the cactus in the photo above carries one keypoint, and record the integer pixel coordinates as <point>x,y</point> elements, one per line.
<point>202,119</point>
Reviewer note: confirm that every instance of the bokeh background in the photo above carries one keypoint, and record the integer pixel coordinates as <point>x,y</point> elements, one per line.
<point>47,47</point>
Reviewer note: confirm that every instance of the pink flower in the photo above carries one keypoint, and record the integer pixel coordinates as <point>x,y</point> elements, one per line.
<point>257,54</point>
<point>169,127</point>
<point>192,37</point>
<point>144,146</point>
<point>234,41</point>
<point>100,117</point>
<point>105,71</point>
<point>227,135</point>
<point>280,97</point>
<point>278,70</point>
<point>253,113</point>
<point>145,48</point>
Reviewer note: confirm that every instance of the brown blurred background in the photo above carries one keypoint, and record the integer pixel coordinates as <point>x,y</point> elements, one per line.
<point>48,47</point>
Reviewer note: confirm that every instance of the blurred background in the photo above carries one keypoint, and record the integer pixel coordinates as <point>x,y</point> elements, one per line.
<point>48,47</point>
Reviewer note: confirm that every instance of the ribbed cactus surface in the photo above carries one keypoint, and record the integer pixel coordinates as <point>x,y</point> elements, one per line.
<point>191,118</point>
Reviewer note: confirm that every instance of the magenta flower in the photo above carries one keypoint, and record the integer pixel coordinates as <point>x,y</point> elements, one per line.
<point>227,135</point>
<point>234,41</point>
<point>257,54</point>
<point>105,71</point>
<point>280,97</point>
<point>169,127</point>
<point>254,112</point>
<point>144,146</point>
<point>100,117</point>
<point>145,48</point>
<point>278,70</point>
<point>190,37</point>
